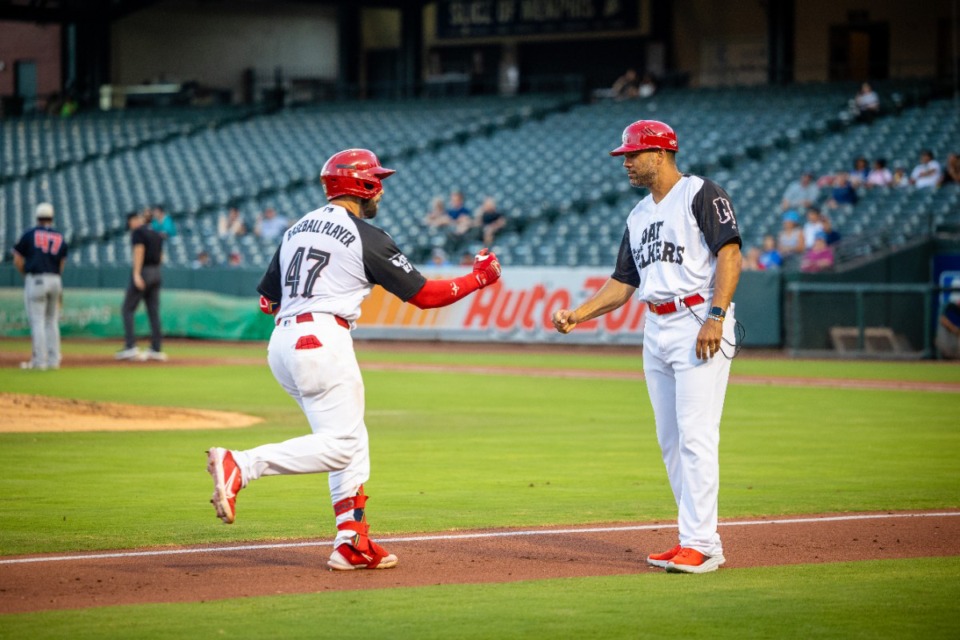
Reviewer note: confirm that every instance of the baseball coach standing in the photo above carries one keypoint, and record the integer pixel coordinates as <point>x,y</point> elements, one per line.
<point>681,254</point>
<point>40,256</point>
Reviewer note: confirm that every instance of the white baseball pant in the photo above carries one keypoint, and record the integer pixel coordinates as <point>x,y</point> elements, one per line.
<point>687,396</point>
<point>41,296</point>
<point>326,383</point>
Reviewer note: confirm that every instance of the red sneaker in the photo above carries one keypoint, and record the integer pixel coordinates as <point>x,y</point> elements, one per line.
<point>662,559</point>
<point>364,553</point>
<point>226,483</point>
<point>692,561</point>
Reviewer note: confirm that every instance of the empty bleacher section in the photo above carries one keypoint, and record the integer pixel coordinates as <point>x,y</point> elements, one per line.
<point>543,158</point>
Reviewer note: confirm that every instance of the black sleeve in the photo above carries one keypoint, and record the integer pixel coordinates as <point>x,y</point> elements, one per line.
<point>715,216</point>
<point>270,286</point>
<point>386,265</point>
<point>626,269</point>
<point>23,247</point>
<point>137,237</point>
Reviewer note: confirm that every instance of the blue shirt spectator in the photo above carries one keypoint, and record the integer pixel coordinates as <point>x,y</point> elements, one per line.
<point>769,257</point>
<point>162,223</point>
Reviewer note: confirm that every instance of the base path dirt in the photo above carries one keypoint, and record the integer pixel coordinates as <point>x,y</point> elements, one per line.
<point>70,581</point>
<point>28,413</point>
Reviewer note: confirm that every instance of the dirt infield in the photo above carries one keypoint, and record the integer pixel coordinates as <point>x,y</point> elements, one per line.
<point>38,583</point>
<point>26,413</point>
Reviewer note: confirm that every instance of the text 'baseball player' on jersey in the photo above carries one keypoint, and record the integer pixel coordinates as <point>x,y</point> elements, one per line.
<point>325,266</point>
<point>681,254</point>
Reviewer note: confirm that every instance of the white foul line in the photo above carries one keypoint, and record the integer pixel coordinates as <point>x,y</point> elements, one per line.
<point>464,536</point>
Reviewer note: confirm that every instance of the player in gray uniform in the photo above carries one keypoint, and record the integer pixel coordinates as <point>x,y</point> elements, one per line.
<point>681,254</point>
<point>40,256</point>
<point>325,266</point>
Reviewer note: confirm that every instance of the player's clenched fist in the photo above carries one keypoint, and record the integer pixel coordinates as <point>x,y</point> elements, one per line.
<point>562,321</point>
<point>486,268</point>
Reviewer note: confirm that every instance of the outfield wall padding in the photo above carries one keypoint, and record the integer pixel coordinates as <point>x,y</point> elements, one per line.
<point>221,304</point>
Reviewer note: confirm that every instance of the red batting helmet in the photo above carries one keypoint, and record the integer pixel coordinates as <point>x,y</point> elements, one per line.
<point>646,134</point>
<point>353,172</point>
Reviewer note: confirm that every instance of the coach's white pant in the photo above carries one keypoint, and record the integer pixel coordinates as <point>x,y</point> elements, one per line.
<point>687,396</point>
<point>326,383</point>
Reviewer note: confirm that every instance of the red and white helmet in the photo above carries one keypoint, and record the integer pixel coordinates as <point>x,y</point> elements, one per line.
<point>353,172</point>
<point>646,134</point>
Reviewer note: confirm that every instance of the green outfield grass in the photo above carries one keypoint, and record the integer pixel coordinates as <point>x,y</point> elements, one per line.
<point>454,451</point>
<point>892,599</point>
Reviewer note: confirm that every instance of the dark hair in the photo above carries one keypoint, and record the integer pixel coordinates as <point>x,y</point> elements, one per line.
<point>881,162</point>
<point>928,152</point>
<point>132,215</point>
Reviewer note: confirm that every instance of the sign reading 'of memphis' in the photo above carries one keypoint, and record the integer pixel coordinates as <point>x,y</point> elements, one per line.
<point>493,18</point>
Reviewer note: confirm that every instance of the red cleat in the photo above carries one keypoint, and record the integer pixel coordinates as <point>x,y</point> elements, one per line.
<point>662,559</point>
<point>692,561</point>
<point>364,553</point>
<point>226,483</point>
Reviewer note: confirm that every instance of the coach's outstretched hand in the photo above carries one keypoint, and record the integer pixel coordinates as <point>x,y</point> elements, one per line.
<point>486,268</point>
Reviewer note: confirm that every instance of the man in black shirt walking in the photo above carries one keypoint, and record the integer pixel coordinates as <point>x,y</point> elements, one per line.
<point>144,285</point>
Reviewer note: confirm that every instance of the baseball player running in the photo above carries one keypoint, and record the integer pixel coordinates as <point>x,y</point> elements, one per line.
<point>40,256</point>
<point>681,254</point>
<point>327,263</point>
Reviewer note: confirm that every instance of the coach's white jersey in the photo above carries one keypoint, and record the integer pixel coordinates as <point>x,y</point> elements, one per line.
<point>669,248</point>
<point>328,262</point>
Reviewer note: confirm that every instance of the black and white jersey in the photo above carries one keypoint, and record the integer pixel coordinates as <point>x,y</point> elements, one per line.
<point>669,248</point>
<point>328,262</point>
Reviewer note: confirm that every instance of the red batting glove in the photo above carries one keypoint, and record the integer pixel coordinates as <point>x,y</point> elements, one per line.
<point>268,306</point>
<point>486,268</point>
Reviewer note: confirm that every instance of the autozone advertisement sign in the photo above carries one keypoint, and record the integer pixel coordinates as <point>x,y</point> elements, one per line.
<point>518,308</point>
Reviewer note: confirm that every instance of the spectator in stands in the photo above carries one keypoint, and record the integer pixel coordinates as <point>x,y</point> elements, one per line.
<point>234,260</point>
<point>879,175</point>
<point>437,216</point>
<point>70,107</point>
<point>162,223</point>
<point>769,257</point>
<point>812,226</point>
<point>800,194</point>
<point>900,178</point>
<point>648,86</point>
<point>460,215</point>
<point>202,261</point>
<point>466,259</point>
<point>926,175</point>
<point>860,173</point>
<point>866,103</point>
<point>819,257</point>
<point>790,240</point>
<point>842,192</point>
<point>948,332</point>
<point>231,224</point>
<point>270,226</point>
<point>832,235</point>
<point>626,86</point>
<point>438,257</point>
<point>751,259</point>
<point>490,220</point>
<point>951,170</point>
